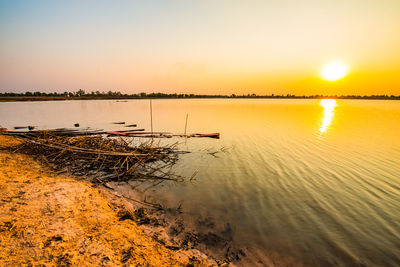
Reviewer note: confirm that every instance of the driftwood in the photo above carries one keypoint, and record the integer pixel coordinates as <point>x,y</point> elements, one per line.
<point>64,132</point>
<point>101,159</point>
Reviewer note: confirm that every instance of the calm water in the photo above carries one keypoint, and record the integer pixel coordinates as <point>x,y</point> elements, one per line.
<point>317,182</point>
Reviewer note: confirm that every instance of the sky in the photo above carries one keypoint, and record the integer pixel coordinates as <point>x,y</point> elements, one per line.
<point>202,47</point>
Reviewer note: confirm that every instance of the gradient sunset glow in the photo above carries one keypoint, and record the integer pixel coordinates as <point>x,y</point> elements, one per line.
<point>203,47</point>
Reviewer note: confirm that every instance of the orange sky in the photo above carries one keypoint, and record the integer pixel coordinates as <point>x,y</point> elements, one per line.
<point>205,47</point>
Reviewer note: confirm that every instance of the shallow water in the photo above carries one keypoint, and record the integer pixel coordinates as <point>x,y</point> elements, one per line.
<point>314,181</point>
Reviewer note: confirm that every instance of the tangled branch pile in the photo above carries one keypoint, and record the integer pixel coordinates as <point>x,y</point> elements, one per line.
<point>102,159</point>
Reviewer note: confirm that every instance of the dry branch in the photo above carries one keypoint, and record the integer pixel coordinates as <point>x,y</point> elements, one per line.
<point>102,159</point>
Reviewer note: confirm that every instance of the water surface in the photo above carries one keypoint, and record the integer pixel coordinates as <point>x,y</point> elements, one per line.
<point>314,181</point>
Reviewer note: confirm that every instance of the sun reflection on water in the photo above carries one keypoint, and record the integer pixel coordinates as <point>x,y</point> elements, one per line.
<point>329,111</point>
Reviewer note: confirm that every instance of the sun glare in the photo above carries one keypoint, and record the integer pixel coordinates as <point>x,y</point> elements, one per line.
<point>334,71</point>
<point>329,110</point>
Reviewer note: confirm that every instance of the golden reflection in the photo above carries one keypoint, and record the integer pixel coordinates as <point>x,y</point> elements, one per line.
<point>329,111</point>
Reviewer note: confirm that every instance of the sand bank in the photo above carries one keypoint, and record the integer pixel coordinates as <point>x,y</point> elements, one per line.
<point>47,218</point>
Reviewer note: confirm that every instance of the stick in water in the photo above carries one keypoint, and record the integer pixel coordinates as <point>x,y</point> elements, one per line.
<point>151,119</point>
<point>186,123</point>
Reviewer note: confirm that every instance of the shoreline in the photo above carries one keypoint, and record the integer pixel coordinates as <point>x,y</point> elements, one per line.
<point>123,99</point>
<point>51,218</point>
<point>59,219</point>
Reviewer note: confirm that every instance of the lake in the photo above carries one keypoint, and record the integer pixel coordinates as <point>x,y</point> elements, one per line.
<point>315,182</point>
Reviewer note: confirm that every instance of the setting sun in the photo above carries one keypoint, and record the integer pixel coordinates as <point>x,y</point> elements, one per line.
<point>334,71</point>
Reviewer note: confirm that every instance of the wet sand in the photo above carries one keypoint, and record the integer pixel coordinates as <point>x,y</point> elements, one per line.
<point>53,219</point>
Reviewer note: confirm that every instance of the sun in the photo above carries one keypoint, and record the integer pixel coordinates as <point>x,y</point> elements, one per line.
<point>334,71</point>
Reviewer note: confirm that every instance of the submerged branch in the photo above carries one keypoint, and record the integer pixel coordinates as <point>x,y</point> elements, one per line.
<point>102,159</point>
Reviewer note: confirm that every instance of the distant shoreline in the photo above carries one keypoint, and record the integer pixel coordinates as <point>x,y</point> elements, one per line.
<point>61,98</point>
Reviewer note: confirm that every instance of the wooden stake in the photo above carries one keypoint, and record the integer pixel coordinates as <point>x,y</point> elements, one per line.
<point>186,123</point>
<point>151,118</point>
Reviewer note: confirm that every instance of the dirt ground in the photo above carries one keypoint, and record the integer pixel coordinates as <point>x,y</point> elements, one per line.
<point>48,219</point>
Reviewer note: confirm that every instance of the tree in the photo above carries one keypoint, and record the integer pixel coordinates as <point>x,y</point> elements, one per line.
<point>80,92</point>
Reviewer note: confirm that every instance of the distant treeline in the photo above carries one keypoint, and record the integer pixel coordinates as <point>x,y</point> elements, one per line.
<point>82,94</point>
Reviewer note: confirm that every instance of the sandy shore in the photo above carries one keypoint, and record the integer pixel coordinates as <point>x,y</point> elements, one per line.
<point>47,218</point>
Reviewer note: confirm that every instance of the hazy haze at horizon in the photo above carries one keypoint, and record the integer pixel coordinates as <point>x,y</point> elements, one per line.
<point>204,47</point>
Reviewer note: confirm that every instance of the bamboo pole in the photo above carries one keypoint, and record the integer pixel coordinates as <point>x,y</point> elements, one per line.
<point>151,118</point>
<point>186,124</point>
